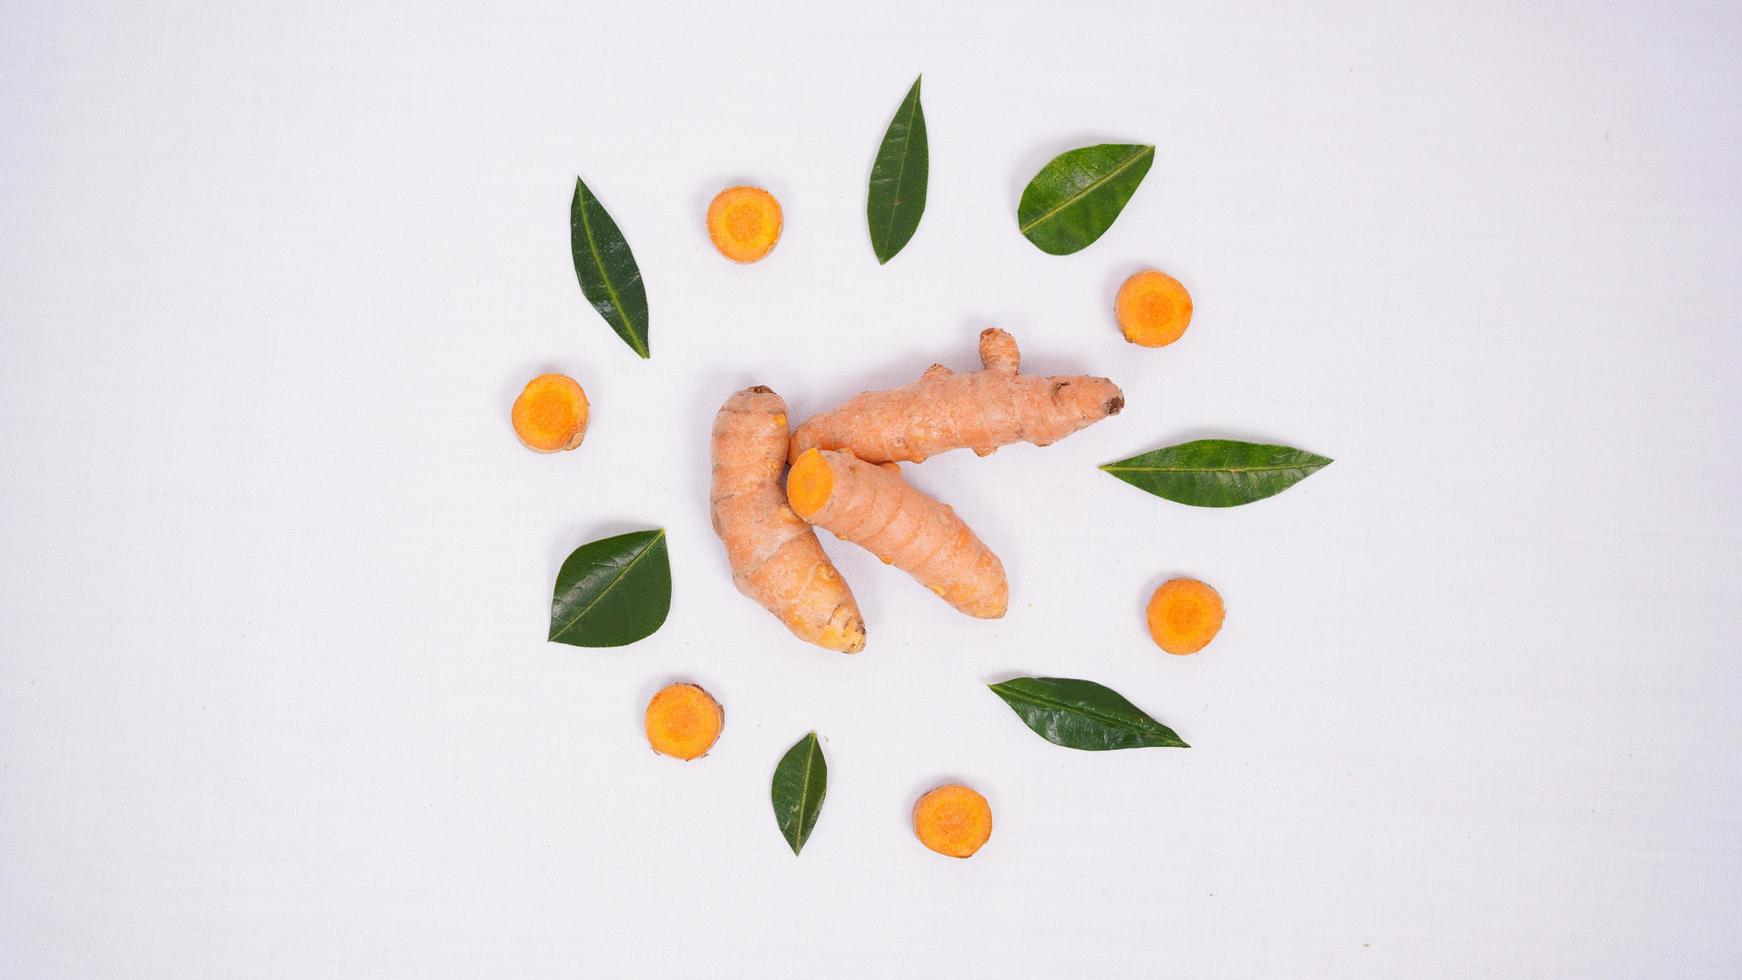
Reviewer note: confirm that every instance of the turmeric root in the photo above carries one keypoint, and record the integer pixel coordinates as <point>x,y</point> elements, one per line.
<point>551,414</point>
<point>1153,309</point>
<point>873,507</point>
<point>1184,615</point>
<point>979,411</point>
<point>683,721</point>
<point>952,820</point>
<point>776,558</point>
<point>744,223</point>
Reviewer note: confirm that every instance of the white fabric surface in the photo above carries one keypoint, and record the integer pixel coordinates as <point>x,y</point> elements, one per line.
<point>274,694</point>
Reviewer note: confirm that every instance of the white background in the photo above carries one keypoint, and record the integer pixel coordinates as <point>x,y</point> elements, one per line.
<point>274,573</point>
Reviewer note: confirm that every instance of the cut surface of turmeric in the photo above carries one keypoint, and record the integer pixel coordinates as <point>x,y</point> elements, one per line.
<point>953,820</point>
<point>744,223</point>
<point>1153,309</point>
<point>551,414</point>
<point>776,558</point>
<point>1184,615</point>
<point>683,721</point>
<point>981,410</point>
<point>873,507</point>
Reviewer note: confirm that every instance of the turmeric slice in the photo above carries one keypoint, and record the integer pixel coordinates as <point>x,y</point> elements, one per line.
<point>683,721</point>
<point>1184,615</point>
<point>981,410</point>
<point>551,414</point>
<point>776,558</point>
<point>1153,309</point>
<point>952,820</point>
<point>873,507</point>
<point>744,223</point>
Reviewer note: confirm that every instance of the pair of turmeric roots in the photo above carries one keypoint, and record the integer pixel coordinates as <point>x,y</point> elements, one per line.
<point>845,479</point>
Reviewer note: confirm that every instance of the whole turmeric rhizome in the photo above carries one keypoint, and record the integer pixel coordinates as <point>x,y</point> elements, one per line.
<point>846,479</point>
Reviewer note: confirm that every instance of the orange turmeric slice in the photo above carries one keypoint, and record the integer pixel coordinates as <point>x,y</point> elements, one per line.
<point>1184,615</point>
<point>551,414</point>
<point>1153,309</point>
<point>744,223</point>
<point>683,721</point>
<point>952,820</point>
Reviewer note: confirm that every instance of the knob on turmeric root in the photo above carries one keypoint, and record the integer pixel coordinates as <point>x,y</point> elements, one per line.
<point>683,721</point>
<point>551,414</point>
<point>953,820</point>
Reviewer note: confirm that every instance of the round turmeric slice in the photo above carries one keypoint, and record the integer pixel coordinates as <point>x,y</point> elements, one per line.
<point>1184,615</point>
<point>952,820</point>
<point>683,721</point>
<point>1153,309</point>
<point>744,223</point>
<point>551,414</point>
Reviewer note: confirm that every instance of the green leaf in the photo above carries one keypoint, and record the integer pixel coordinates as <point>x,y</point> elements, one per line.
<point>897,196</point>
<point>609,277</point>
<point>1083,715</point>
<point>1074,198</point>
<point>613,591</point>
<point>800,780</point>
<point>1217,472</point>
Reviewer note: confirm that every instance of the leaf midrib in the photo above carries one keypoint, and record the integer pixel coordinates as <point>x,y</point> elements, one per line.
<point>804,792</point>
<point>1074,198</point>
<point>1111,468</point>
<point>620,577</point>
<point>604,275</point>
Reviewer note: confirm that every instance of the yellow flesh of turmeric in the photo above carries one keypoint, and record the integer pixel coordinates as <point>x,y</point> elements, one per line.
<point>1184,615</point>
<point>744,223</point>
<point>952,820</point>
<point>683,721</point>
<point>1153,309</point>
<point>551,414</point>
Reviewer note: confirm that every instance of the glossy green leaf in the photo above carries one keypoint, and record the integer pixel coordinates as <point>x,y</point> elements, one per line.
<point>613,591</point>
<point>1075,197</point>
<point>898,178</point>
<point>1217,472</point>
<point>609,277</point>
<point>800,781</point>
<point>1083,715</point>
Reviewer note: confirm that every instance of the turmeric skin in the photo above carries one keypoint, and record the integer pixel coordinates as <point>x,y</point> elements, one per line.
<point>744,223</point>
<point>683,721</point>
<point>873,507</point>
<point>1184,615</point>
<point>944,410</point>
<point>1153,309</point>
<point>551,414</point>
<point>776,558</point>
<point>952,820</point>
